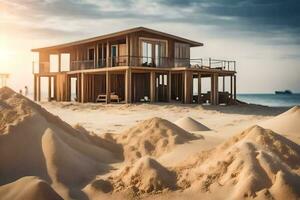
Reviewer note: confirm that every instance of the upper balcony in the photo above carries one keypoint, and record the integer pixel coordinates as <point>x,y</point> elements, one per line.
<point>149,62</point>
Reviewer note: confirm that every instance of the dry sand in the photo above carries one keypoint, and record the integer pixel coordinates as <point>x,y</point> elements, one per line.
<point>133,152</point>
<point>189,124</point>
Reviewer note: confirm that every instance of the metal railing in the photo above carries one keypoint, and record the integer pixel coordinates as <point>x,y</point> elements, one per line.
<point>141,61</point>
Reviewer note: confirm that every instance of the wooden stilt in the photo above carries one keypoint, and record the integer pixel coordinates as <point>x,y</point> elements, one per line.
<point>39,88</point>
<point>234,95</point>
<point>231,88</point>
<point>128,85</point>
<point>169,86</point>
<point>108,88</point>
<point>35,88</point>
<point>212,90</point>
<point>82,88</point>
<point>49,88</point>
<point>152,86</point>
<point>223,83</point>
<point>199,88</point>
<point>216,85</point>
<point>188,86</point>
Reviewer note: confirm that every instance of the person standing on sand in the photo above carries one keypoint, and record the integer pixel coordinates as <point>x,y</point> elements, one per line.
<point>20,91</point>
<point>26,91</point>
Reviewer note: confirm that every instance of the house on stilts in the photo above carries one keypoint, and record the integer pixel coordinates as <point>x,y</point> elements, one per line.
<point>135,65</point>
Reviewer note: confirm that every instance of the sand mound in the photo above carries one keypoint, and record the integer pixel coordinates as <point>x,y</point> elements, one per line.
<point>153,137</point>
<point>257,162</point>
<point>287,124</point>
<point>189,124</point>
<point>31,188</point>
<point>144,176</point>
<point>33,142</point>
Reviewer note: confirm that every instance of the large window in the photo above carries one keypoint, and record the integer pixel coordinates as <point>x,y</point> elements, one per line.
<point>65,62</point>
<point>91,54</point>
<point>153,53</point>
<point>182,55</point>
<point>147,54</point>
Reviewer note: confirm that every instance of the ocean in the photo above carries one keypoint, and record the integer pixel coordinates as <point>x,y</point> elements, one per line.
<point>277,100</point>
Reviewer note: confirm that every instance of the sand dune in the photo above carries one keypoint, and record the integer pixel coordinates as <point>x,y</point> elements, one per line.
<point>144,176</point>
<point>255,163</point>
<point>152,137</point>
<point>189,124</point>
<point>31,188</point>
<point>287,124</point>
<point>36,143</point>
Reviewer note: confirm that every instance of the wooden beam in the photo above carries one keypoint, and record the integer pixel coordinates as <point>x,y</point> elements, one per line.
<point>82,88</point>
<point>39,88</point>
<point>234,95</point>
<point>223,83</point>
<point>35,88</point>
<point>128,86</point>
<point>152,86</point>
<point>108,88</point>
<point>216,85</point>
<point>231,88</point>
<point>188,82</point>
<point>49,88</point>
<point>169,86</point>
<point>199,88</point>
<point>59,62</point>
<point>107,54</point>
<point>212,90</point>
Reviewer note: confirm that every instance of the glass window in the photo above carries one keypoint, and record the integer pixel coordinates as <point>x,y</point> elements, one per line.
<point>91,54</point>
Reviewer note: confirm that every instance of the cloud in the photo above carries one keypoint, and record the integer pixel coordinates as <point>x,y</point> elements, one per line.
<point>269,18</point>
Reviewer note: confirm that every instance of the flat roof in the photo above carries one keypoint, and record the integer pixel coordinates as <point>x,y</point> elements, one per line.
<point>102,37</point>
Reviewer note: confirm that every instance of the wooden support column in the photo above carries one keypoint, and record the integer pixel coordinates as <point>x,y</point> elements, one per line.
<point>199,88</point>
<point>234,80</point>
<point>49,88</point>
<point>231,88</point>
<point>169,86</point>
<point>83,93</point>
<point>38,88</point>
<point>128,86</point>
<point>223,83</point>
<point>107,55</point>
<point>212,90</point>
<point>188,83</point>
<point>216,89</point>
<point>108,88</point>
<point>59,62</point>
<point>152,87</point>
<point>35,88</point>
<point>55,87</point>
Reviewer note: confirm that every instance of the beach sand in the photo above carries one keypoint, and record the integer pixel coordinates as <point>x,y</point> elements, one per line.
<point>147,151</point>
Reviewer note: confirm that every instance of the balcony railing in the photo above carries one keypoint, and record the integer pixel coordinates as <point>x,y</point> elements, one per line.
<point>139,61</point>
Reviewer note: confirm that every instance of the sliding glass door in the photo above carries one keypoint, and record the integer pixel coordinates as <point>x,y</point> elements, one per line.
<point>153,53</point>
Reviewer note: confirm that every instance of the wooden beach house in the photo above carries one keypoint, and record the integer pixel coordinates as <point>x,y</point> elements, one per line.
<point>135,65</point>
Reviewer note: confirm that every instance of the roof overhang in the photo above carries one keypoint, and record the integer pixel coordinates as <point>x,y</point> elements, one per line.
<point>116,34</point>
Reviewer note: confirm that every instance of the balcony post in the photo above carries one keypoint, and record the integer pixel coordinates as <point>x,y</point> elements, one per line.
<point>59,62</point>
<point>35,88</point>
<point>107,54</point>
<point>96,55</point>
<point>82,88</point>
<point>128,50</point>
<point>231,87</point>
<point>49,88</point>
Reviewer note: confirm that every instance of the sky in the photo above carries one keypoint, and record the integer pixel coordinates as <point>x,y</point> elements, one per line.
<point>263,36</point>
